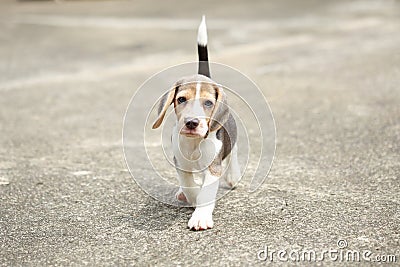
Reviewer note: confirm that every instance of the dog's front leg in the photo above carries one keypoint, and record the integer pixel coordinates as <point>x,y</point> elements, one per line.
<point>202,216</point>
<point>188,186</point>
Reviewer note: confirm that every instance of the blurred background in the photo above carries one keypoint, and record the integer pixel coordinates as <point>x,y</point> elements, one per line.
<point>329,70</point>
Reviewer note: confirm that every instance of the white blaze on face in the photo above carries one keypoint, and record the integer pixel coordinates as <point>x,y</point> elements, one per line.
<point>198,110</point>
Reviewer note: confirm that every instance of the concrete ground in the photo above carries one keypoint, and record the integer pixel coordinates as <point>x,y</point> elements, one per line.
<point>330,71</point>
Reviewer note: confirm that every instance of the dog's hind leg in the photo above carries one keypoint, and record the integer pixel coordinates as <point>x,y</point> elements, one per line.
<point>232,175</point>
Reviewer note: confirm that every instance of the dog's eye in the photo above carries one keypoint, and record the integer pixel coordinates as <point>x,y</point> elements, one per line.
<point>208,103</point>
<point>181,99</point>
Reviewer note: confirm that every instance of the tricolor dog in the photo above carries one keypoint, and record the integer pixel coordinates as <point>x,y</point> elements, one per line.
<point>204,136</point>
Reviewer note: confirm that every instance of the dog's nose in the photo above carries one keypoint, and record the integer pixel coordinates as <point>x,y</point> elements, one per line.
<point>191,123</point>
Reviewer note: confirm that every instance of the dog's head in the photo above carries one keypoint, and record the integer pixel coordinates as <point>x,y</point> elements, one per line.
<point>200,106</point>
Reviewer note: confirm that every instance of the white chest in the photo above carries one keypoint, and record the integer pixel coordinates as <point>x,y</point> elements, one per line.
<point>195,154</point>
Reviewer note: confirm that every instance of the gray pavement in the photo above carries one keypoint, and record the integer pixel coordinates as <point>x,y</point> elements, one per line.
<point>330,71</point>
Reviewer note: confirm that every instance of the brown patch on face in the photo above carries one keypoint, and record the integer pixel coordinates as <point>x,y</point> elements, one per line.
<point>188,91</point>
<point>207,93</point>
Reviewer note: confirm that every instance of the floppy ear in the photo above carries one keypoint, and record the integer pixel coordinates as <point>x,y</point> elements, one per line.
<point>220,113</point>
<point>166,100</point>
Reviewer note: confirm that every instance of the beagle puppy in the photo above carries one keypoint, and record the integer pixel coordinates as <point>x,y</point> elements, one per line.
<point>204,136</point>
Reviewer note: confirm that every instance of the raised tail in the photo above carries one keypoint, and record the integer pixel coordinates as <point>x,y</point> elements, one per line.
<point>204,67</point>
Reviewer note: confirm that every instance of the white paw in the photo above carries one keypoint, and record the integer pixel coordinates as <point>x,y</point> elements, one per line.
<point>201,220</point>
<point>232,180</point>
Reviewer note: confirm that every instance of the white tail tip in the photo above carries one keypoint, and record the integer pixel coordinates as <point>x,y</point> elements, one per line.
<point>202,32</point>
